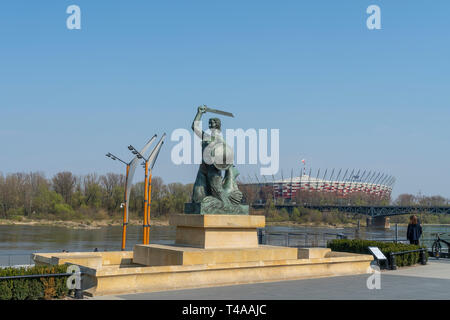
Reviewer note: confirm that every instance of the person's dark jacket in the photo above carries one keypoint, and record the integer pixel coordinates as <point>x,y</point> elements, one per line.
<point>414,232</point>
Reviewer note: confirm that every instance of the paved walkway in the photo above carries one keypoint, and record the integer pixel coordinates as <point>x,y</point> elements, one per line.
<point>431,281</point>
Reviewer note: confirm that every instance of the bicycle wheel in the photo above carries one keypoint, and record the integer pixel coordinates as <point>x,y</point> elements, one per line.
<point>436,249</point>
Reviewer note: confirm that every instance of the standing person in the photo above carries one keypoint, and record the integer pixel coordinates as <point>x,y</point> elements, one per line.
<point>414,230</point>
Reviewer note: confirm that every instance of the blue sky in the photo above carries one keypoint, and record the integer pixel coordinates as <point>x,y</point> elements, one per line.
<point>342,96</point>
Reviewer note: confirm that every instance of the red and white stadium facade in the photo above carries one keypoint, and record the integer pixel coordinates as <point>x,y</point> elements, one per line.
<point>378,187</point>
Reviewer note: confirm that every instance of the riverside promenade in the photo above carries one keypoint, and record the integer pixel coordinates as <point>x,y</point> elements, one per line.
<point>431,281</point>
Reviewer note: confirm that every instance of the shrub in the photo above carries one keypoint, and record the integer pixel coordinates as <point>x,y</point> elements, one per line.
<point>295,216</point>
<point>16,218</point>
<point>13,213</point>
<point>63,210</point>
<point>100,214</point>
<point>362,246</point>
<point>5,290</point>
<point>284,215</point>
<point>33,288</point>
<point>273,216</point>
<point>315,216</point>
<point>49,288</point>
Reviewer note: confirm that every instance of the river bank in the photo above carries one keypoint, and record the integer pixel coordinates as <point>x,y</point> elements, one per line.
<point>88,225</point>
<point>97,224</point>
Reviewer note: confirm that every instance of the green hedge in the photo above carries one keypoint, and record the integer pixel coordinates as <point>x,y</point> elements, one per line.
<point>33,288</point>
<point>362,246</point>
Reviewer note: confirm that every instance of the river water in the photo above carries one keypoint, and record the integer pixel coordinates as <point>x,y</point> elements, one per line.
<point>17,242</point>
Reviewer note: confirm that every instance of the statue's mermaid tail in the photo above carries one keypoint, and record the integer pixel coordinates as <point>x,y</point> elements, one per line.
<point>230,185</point>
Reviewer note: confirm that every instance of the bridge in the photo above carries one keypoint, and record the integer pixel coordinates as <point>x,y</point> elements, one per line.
<point>377,214</point>
<point>382,211</point>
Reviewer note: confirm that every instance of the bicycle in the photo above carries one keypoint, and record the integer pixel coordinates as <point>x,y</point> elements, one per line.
<point>436,248</point>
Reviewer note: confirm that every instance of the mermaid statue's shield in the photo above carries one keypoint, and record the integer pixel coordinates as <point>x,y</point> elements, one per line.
<point>221,155</point>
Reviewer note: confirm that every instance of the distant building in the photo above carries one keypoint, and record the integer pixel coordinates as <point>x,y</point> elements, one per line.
<point>375,184</point>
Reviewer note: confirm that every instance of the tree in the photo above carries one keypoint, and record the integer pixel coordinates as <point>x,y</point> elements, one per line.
<point>406,200</point>
<point>179,194</point>
<point>435,201</point>
<point>92,190</point>
<point>64,183</point>
<point>113,186</point>
<point>159,190</point>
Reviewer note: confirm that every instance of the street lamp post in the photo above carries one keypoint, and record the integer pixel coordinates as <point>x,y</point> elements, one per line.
<point>145,224</point>
<point>125,218</point>
<point>152,160</point>
<point>148,163</point>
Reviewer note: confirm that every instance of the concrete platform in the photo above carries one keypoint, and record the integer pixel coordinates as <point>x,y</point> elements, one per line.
<point>431,282</point>
<point>88,259</point>
<point>210,250</point>
<point>132,278</point>
<point>167,255</point>
<point>110,279</point>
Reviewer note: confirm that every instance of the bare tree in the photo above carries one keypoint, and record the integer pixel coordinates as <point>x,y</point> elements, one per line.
<point>111,181</point>
<point>406,200</point>
<point>92,189</point>
<point>64,184</point>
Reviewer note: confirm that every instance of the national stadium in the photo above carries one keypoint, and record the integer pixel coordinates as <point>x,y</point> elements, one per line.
<point>339,183</point>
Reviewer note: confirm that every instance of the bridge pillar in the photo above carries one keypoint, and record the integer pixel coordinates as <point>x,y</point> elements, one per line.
<point>381,222</point>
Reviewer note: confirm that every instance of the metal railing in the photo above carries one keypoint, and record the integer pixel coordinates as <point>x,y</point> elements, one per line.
<point>298,239</point>
<point>317,239</point>
<point>393,265</point>
<point>35,276</point>
<point>16,260</point>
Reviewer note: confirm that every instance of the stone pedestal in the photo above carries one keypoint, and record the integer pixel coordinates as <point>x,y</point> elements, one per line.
<point>202,208</point>
<point>217,231</point>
